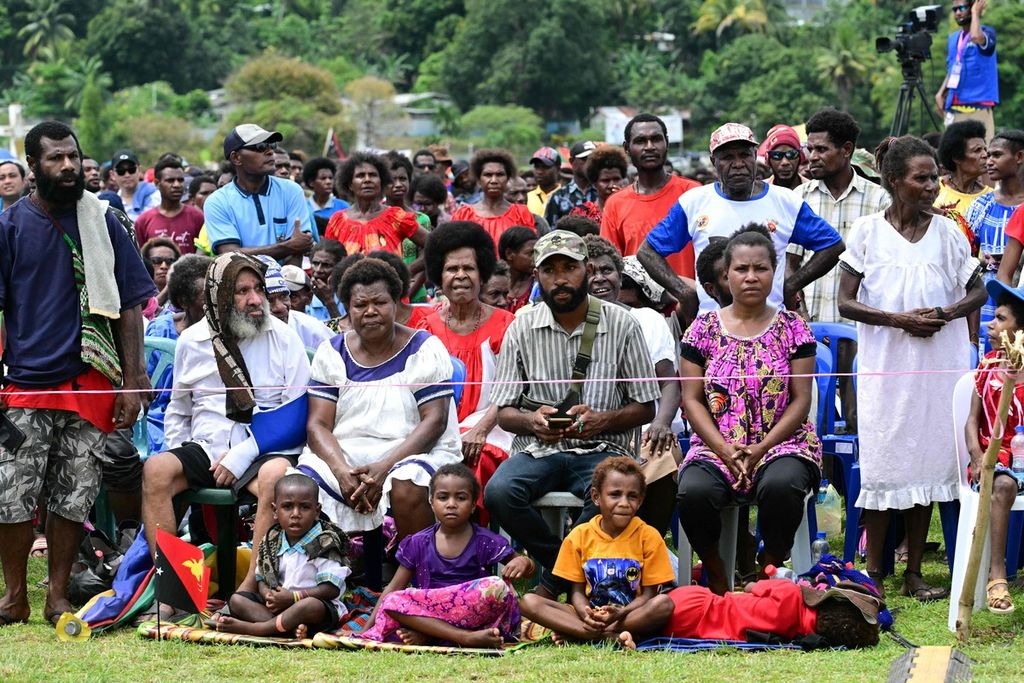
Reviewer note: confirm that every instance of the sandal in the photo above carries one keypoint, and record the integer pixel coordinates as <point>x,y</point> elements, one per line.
<point>997,596</point>
<point>39,547</point>
<point>924,592</point>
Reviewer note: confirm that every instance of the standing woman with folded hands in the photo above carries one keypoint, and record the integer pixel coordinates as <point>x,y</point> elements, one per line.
<point>747,393</point>
<point>908,280</point>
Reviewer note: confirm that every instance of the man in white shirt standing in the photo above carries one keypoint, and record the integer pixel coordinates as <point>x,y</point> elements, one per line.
<point>237,417</point>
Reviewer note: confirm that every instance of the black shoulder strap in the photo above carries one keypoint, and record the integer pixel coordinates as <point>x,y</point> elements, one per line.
<point>583,356</point>
<point>579,365</point>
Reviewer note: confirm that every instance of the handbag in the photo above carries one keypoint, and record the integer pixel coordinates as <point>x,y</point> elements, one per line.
<point>660,464</point>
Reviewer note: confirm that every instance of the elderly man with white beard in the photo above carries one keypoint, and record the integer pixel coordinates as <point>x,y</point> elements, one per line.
<point>237,417</point>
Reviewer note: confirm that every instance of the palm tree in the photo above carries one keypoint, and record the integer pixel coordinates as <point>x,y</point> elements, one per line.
<point>842,64</point>
<point>45,26</point>
<point>743,16</point>
<point>81,73</point>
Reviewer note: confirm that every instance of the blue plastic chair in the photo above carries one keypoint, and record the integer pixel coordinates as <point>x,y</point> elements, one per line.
<point>458,379</point>
<point>159,354</point>
<point>844,448</point>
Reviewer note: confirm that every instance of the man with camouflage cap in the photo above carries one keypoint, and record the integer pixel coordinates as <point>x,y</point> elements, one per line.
<point>565,428</point>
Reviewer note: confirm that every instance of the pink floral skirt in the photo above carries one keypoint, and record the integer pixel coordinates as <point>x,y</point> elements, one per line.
<point>484,603</point>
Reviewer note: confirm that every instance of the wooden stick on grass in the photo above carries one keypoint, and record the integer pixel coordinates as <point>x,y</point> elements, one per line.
<point>1014,352</point>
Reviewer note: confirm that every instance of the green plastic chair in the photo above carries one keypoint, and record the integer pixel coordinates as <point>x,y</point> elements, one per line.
<point>226,510</point>
<point>223,500</point>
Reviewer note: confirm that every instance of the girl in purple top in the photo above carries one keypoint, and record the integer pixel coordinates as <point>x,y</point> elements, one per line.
<point>458,600</point>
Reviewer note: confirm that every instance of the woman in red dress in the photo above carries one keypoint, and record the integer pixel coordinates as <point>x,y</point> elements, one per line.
<point>460,258</point>
<point>492,168</point>
<point>369,224</point>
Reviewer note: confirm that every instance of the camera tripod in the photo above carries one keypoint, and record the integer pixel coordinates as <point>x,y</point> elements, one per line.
<point>911,85</point>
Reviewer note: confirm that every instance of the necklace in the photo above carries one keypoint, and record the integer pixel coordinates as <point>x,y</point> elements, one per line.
<point>655,190</point>
<point>476,325</point>
<point>901,229</point>
<point>974,184</point>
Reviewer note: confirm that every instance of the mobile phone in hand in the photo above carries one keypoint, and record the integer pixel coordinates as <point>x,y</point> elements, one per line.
<point>560,421</point>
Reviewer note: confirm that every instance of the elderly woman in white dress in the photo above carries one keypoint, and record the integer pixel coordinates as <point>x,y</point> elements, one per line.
<point>381,417</point>
<point>908,281</point>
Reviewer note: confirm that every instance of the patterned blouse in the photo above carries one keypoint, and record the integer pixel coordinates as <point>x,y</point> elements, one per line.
<point>746,384</point>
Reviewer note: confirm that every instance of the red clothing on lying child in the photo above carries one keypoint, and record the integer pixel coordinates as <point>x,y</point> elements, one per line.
<point>771,607</point>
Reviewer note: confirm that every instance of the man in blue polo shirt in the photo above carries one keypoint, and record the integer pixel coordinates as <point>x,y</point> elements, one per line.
<point>971,87</point>
<point>737,199</point>
<point>258,213</point>
<point>60,247</point>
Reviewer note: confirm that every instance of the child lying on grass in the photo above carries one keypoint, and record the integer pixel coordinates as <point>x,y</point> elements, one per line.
<point>845,615</point>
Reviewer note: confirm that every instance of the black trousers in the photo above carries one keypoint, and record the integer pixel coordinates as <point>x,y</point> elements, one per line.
<point>779,491</point>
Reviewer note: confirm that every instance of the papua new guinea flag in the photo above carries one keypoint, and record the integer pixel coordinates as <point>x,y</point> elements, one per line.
<point>182,577</point>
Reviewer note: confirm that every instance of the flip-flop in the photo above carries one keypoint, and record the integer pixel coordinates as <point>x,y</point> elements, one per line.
<point>39,547</point>
<point>924,592</point>
<point>6,620</point>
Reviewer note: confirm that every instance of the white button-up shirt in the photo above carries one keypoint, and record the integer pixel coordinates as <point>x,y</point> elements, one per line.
<point>278,367</point>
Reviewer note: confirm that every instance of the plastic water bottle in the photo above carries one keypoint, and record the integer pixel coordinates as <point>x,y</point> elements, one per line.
<point>828,509</point>
<point>1017,452</point>
<point>780,573</point>
<point>819,547</point>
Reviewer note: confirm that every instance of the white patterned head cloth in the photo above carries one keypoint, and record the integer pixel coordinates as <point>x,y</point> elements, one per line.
<point>217,304</point>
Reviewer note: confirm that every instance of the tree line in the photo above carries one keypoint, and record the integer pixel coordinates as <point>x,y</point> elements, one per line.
<point>131,70</point>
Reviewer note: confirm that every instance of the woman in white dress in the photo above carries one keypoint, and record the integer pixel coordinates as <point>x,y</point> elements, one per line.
<point>381,417</point>
<point>908,281</point>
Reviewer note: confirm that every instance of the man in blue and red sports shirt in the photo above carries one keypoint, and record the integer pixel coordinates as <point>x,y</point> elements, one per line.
<point>60,248</point>
<point>971,87</point>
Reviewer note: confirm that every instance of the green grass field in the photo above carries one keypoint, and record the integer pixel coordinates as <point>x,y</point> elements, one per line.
<point>32,653</point>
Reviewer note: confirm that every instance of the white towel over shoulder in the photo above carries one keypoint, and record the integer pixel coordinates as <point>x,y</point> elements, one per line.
<point>98,257</point>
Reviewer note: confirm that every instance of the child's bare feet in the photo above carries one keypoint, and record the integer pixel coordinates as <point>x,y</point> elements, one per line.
<point>488,637</point>
<point>301,631</point>
<point>626,641</point>
<point>228,624</point>
<point>558,639</point>
<point>411,637</point>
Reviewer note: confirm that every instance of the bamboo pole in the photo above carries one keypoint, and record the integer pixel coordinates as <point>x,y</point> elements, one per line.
<point>1014,355</point>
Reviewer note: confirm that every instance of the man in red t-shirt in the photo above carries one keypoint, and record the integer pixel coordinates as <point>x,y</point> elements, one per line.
<point>172,219</point>
<point>630,213</point>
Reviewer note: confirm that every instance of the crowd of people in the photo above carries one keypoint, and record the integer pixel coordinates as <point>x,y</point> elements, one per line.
<point>435,344</point>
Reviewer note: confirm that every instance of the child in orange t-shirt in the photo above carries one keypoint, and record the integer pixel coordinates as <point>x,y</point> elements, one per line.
<point>615,562</point>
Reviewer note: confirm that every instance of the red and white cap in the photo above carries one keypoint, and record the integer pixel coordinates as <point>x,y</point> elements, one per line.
<point>731,132</point>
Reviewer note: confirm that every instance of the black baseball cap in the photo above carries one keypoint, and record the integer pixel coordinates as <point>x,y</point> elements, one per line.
<point>123,155</point>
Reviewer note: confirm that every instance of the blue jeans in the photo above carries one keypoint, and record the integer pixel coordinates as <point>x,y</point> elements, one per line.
<point>522,479</point>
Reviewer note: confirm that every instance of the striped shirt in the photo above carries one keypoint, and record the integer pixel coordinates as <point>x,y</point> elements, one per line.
<point>861,198</point>
<point>536,347</point>
<point>988,219</point>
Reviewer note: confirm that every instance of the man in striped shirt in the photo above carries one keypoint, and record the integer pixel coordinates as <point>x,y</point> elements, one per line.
<point>536,361</point>
<point>840,195</point>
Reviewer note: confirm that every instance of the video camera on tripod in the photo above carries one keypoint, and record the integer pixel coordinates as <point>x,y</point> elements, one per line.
<point>913,45</point>
<point>913,41</point>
